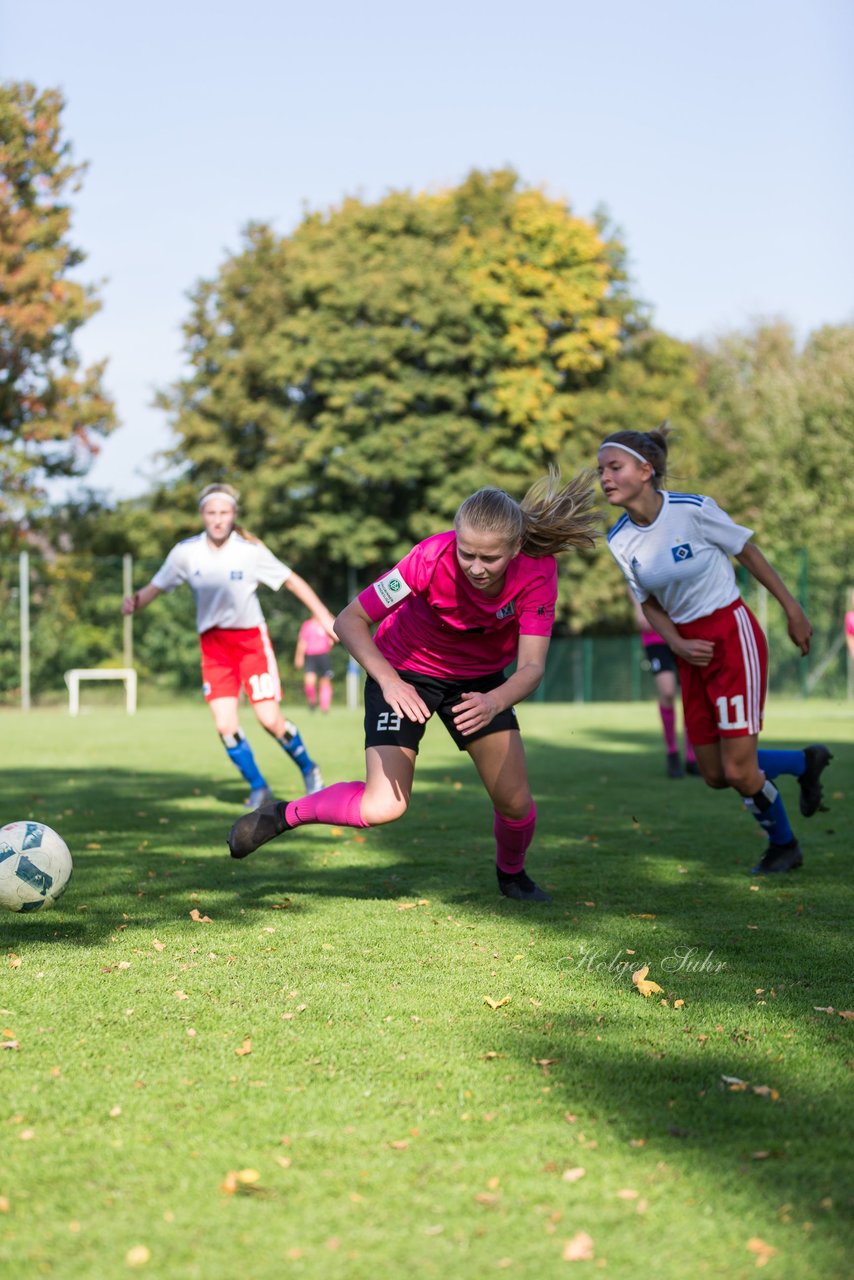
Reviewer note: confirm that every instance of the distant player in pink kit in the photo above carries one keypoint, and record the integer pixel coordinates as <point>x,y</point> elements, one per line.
<point>311,657</point>
<point>674,550</point>
<point>452,614</point>
<point>662,665</point>
<point>223,567</point>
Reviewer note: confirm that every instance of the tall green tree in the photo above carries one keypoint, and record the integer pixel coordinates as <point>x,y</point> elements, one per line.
<point>775,449</point>
<point>358,378</point>
<point>53,412</point>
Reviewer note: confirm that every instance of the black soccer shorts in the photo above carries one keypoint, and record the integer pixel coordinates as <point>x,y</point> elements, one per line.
<point>385,728</point>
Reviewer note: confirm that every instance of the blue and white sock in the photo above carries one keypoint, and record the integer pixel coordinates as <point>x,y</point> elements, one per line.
<point>769,811</point>
<point>240,755</point>
<point>773,763</point>
<point>292,743</point>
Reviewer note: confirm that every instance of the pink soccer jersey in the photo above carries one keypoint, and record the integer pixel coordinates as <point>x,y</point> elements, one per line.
<point>314,637</point>
<point>433,621</point>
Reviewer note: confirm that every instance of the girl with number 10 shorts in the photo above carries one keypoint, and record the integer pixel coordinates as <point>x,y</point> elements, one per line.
<point>224,566</point>
<point>674,549</point>
<point>449,617</point>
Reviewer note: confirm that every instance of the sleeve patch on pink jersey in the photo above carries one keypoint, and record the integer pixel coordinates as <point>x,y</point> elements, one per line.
<point>391,589</point>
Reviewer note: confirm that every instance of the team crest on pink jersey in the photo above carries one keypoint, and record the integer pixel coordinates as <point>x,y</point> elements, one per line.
<point>391,589</point>
<point>506,611</point>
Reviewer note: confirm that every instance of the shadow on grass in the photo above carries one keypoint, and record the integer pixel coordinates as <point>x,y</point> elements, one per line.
<point>647,864</point>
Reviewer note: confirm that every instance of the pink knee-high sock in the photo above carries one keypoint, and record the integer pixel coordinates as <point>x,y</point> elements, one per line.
<point>310,692</point>
<point>338,805</point>
<point>668,722</point>
<point>689,751</point>
<point>325,696</point>
<point>512,837</point>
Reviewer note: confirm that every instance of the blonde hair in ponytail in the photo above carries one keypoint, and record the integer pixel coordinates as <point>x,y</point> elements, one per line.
<point>550,518</point>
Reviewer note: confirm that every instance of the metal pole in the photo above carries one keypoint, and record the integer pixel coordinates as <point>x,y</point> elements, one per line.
<point>127,590</point>
<point>24,594</point>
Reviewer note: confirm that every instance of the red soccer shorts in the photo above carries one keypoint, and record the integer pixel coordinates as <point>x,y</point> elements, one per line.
<point>726,699</point>
<point>231,658</point>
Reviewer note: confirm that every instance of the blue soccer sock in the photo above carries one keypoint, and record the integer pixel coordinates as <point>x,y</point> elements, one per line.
<point>769,811</point>
<point>292,743</point>
<point>240,755</point>
<point>773,763</point>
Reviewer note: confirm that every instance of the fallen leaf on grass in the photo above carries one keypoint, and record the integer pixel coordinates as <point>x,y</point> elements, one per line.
<point>573,1175</point>
<point>579,1248</point>
<point>244,1048</point>
<point>762,1250</point>
<point>196,915</point>
<point>14,961</point>
<point>181,995</point>
<point>627,1194</point>
<point>138,1255</point>
<point>240,1180</point>
<point>158,946</point>
<point>848,1014</point>
<point>497,1004</point>
<point>9,1044</point>
<point>824,1008</point>
<point>400,1145</point>
<point>640,980</point>
<point>4,1204</point>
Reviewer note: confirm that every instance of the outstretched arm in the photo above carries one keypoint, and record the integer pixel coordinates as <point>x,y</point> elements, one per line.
<point>140,599</point>
<point>800,627</point>
<point>307,596</point>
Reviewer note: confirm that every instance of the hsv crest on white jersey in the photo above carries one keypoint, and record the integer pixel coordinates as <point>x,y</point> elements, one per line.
<point>224,579</point>
<point>683,557</point>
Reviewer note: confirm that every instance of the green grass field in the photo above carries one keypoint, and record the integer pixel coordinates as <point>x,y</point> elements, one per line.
<point>366,1063</point>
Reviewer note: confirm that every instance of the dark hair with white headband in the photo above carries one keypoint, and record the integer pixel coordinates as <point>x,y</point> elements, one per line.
<point>646,446</point>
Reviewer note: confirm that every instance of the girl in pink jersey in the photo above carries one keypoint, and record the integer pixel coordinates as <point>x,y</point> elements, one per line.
<point>449,617</point>
<point>311,657</point>
<point>223,566</point>
<point>674,550</point>
<point>662,665</point>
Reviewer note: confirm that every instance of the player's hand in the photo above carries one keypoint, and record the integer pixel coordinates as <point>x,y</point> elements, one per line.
<point>698,652</point>
<point>474,711</point>
<point>129,605</point>
<point>404,700</point>
<point>800,630</point>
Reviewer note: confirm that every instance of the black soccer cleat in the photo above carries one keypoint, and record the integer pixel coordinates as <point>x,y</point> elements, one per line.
<point>520,886</point>
<point>818,758</point>
<point>779,857</point>
<point>674,768</point>
<point>692,768</point>
<point>256,828</point>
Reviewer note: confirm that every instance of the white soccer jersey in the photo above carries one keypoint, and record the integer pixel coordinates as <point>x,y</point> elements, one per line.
<point>224,580</point>
<point>683,557</point>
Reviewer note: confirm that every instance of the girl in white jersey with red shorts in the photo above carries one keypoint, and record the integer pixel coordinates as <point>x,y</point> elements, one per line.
<point>450,616</point>
<point>675,549</point>
<point>224,566</point>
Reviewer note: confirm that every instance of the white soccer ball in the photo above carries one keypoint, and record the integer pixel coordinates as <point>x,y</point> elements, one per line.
<point>35,866</point>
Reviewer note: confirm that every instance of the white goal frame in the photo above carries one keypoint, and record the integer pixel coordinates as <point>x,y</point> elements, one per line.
<point>76,674</point>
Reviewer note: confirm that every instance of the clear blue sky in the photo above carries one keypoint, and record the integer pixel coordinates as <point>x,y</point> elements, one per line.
<point>719,135</point>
